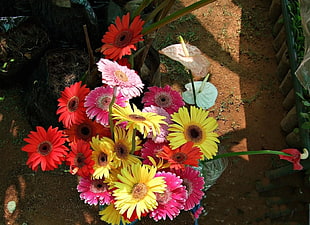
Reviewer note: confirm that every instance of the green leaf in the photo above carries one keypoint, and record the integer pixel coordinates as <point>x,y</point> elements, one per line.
<point>305,125</point>
<point>306,103</point>
<point>305,115</point>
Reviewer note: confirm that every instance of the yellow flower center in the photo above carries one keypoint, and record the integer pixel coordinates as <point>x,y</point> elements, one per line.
<point>121,75</point>
<point>193,133</point>
<point>139,191</point>
<point>136,117</point>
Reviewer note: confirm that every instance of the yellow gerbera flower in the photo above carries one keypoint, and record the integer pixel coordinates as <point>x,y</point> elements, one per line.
<point>103,155</point>
<point>196,127</point>
<point>144,122</point>
<point>136,189</point>
<point>112,216</point>
<point>123,146</point>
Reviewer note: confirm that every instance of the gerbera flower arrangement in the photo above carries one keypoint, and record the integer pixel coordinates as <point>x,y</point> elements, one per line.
<point>133,162</point>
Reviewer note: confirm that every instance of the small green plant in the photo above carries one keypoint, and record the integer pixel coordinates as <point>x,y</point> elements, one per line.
<point>4,67</point>
<point>306,113</point>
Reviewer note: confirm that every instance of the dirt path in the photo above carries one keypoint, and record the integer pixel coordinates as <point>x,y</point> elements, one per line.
<point>236,38</point>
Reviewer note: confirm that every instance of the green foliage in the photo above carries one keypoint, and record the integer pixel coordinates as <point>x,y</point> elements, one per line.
<point>299,38</point>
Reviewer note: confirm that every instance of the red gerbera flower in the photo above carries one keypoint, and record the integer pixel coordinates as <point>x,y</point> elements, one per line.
<point>45,148</point>
<point>184,155</point>
<point>121,38</point>
<point>71,104</point>
<point>86,130</point>
<point>79,159</point>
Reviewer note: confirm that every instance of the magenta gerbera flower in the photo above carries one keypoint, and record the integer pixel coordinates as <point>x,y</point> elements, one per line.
<point>150,148</point>
<point>194,185</point>
<point>97,103</point>
<point>172,201</point>
<point>115,75</point>
<point>165,97</point>
<point>94,192</point>
<point>162,136</point>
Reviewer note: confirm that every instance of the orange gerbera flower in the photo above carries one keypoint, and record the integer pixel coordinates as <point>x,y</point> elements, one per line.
<point>86,130</point>
<point>71,104</point>
<point>45,148</point>
<point>122,37</point>
<point>184,155</point>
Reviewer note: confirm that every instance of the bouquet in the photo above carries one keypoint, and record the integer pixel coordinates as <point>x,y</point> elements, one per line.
<point>136,162</point>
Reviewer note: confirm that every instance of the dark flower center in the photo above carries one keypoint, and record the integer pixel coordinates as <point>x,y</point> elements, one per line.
<point>193,133</point>
<point>45,148</point>
<point>79,160</point>
<point>102,159</point>
<point>188,186</point>
<point>136,117</point>
<point>84,131</point>
<point>123,38</point>
<point>120,75</point>
<point>73,104</point>
<point>179,157</point>
<point>98,186</point>
<point>121,150</point>
<point>163,198</point>
<point>163,100</point>
<point>139,191</point>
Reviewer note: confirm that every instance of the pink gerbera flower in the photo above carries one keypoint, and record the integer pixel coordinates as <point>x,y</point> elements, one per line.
<point>150,148</point>
<point>79,159</point>
<point>166,98</point>
<point>115,75</point>
<point>194,185</point>
<point>94,192</point>
<point>71,104</point>
<point>97,103</point>
<point>161,137</point>
<point>172,201</point>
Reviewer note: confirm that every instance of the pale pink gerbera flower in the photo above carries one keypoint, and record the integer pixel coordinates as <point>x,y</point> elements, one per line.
<point>115,75</point>
<point>94,192</point>
<point>172,201</point>
<point>165,97</point>
<point>194,185</point>
<point>150,148</point>
<point>162,136</point>
<point>97,103</point>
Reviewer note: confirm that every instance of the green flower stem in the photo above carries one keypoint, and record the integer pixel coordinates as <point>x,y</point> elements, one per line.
<point>261,152</point>
<point>175,16</point>
<point>110,112</point>
<point>133,141</point>
<point>193,87</point>
<point>142,6</point>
